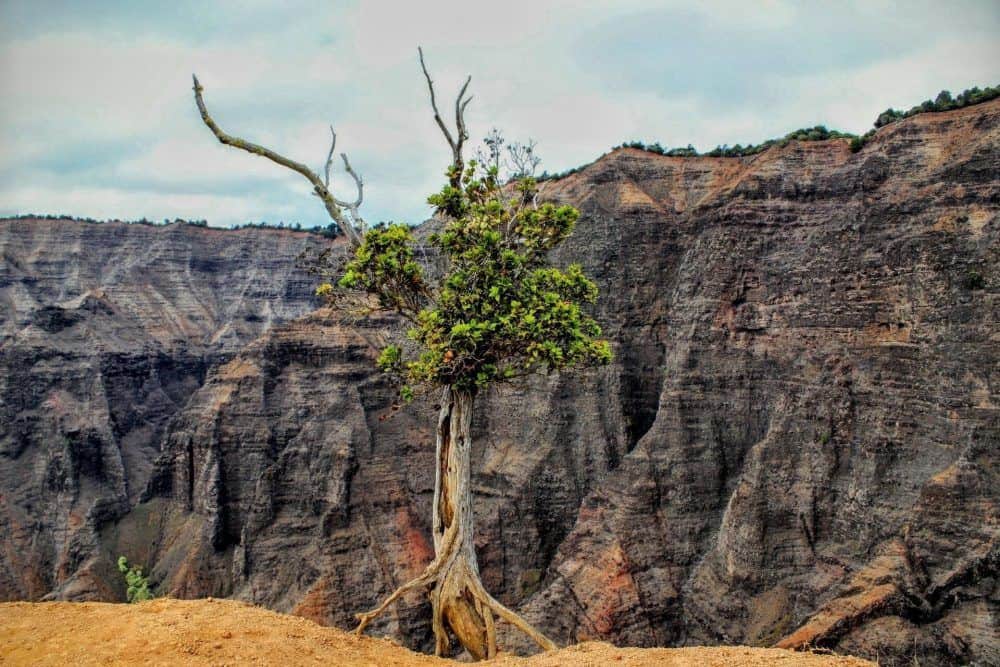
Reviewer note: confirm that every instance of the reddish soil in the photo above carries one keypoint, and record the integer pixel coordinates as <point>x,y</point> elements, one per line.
<point>224,632</point>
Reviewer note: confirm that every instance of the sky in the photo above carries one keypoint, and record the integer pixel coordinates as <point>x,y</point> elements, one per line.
<point>97,117</point>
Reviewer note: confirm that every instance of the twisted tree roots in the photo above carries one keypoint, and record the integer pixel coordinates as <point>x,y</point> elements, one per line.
<point>459,602</point>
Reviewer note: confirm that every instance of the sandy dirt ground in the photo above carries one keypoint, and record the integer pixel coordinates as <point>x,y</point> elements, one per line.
<point>224,632</point>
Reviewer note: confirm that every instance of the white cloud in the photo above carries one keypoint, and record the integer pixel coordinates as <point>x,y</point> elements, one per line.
<point>853,99</point>
<point>96,115</point>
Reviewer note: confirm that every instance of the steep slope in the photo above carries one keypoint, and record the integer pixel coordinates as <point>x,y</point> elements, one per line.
<point>105,332</point>
<point>798,440</point>
<point>827,426</point>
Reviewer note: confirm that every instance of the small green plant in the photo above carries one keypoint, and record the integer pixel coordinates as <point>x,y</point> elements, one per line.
<point>138,585</point>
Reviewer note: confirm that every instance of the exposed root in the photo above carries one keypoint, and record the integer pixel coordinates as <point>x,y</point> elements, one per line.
<point>367,617</point>
<point>441,641</point>
<point>429,575</point>
<point>460,604</point>
<point>518,622</point>
<point>491,629</point>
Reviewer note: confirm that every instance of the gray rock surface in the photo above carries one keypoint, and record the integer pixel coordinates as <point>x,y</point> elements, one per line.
<point>106,330</point>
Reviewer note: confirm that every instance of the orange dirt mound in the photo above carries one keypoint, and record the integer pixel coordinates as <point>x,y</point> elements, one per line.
<point>224,632</point>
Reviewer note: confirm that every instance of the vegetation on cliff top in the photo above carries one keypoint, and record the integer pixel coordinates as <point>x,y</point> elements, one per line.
<point>817,133</point>
<point>943,102</point>
<point>329,231</point>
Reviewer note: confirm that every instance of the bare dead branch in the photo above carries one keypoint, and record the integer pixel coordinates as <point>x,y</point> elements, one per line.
<point>523,159</point>
<point>437,114</point>
<point>352,207</point>
<point>460,111</point>
<point>455,142</point>
<point>357,181</point>
<point>321,189</point>
<point>329,157</point>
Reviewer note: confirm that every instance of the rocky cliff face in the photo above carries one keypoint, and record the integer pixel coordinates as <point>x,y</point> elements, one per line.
<point>798,442</point>
<point>105,332</point>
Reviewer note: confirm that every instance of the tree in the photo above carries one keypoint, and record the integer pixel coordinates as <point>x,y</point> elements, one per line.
<point>944,101</point>
<point>491,311</point>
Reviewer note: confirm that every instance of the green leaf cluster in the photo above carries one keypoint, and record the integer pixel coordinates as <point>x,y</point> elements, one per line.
<point>498,310</point>
<point>384,265</point>
<point>137,585</point>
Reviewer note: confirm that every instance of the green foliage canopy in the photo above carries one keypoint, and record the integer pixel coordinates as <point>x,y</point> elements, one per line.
<point>498,310</point>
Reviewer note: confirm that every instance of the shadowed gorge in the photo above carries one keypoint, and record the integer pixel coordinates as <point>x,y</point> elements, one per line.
<point>797,442</point>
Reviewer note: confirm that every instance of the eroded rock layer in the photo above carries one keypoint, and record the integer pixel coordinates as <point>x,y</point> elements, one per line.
<point>106,330</point>
<point>798,442</point>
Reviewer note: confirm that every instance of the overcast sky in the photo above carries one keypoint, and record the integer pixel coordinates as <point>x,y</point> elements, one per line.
<point>97,117</point>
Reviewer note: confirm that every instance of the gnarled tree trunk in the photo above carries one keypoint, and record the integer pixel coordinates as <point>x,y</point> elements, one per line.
<point>461,606</point>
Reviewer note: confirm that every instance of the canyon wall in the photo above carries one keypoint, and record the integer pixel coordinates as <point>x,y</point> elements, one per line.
<point>798,441</point>
<point>106,330</point>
